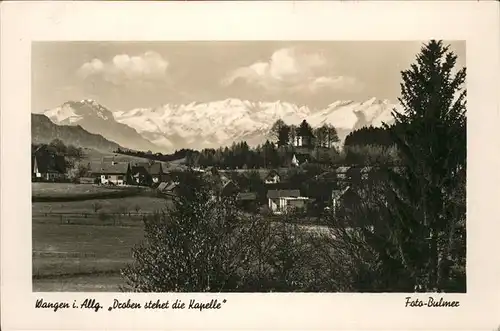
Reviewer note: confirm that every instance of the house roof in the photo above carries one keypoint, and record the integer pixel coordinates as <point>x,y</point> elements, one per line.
<point>342,169</point>
<point>171,186</point>
<point>246,196</point>
<point>272,173</point>
<point>337,194</point>
<point>162,186</point>
<point>272,194</point>
<point>109,168</point>
<point>138,170</point>
<point>327,176</point>
<point>152,168</point>
<point>228,188</point>
<point>45,149</point>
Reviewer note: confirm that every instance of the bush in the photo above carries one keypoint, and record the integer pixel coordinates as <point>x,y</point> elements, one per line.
<point>195,247</point>
<point>207,245</point>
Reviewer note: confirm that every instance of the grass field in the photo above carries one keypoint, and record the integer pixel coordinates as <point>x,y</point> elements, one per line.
<point>81,249</point>
<point>81,257</point>
<point>61,189</point>
<point>96,156</point>
<point>85,252</point>
<point>89,283</point>
<point>146,204</point>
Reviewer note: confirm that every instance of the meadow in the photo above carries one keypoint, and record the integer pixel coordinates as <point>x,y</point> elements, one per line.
<point>78,248</point>
<point>125,205</point>
<point>50,192</point>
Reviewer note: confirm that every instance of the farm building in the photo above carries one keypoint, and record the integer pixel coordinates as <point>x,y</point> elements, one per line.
<point>281,201</point>
<point>155,170</point>
<point>140,176</point>
<point>111,173</point>
<point>47,165</point>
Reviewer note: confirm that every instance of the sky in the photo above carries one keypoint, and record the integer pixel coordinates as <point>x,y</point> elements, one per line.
<point>127,75</point>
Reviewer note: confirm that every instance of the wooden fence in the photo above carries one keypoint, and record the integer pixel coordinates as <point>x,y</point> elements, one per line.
<point>99,218</point>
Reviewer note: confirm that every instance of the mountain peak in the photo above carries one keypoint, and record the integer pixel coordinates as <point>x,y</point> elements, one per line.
<point>97,119</point>
<point>91,102</point>
<point>220,123</point>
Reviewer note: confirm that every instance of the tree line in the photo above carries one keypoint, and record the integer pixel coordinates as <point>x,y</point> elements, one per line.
<point>365,146</point>
<point>58,147</point>
<point>285,135</point>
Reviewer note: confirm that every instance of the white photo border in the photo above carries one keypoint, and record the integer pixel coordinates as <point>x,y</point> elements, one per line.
<point>477,23</point>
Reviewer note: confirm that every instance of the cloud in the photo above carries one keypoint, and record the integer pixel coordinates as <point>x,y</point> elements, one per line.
<point>124,68</point>
<point>337,82</point>
<point>290,69</point>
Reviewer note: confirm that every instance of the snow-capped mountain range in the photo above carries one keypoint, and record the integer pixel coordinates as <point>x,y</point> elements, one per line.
<point>213,124</point>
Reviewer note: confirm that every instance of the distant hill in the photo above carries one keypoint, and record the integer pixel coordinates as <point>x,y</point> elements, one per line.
<point>43,130</point>
<point>97,119</point>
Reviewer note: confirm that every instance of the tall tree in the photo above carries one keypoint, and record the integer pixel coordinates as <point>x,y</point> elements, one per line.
<point>415,238</point>
<point>430,133</point>
<point>331,135</point>
<point>305,129</point>
<point>284,136</point>
<point>320,134</point>
<point>277,130</point>
<point>325,136</point>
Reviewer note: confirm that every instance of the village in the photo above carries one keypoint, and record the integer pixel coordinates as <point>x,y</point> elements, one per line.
<point>301,186</point>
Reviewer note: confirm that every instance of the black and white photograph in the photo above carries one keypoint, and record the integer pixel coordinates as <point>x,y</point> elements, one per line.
<point>256,165</point>
<point>252,166</point>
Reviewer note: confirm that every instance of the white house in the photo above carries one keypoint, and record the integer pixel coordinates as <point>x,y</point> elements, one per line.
<point>272,178</point>
<point>281,201</point>
<point>113,173</point>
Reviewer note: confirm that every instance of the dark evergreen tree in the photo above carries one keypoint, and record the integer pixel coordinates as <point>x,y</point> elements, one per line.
<point>409,221</point>
<point>284,136</point>
<point>430,134</point>
<point>277,130</point>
